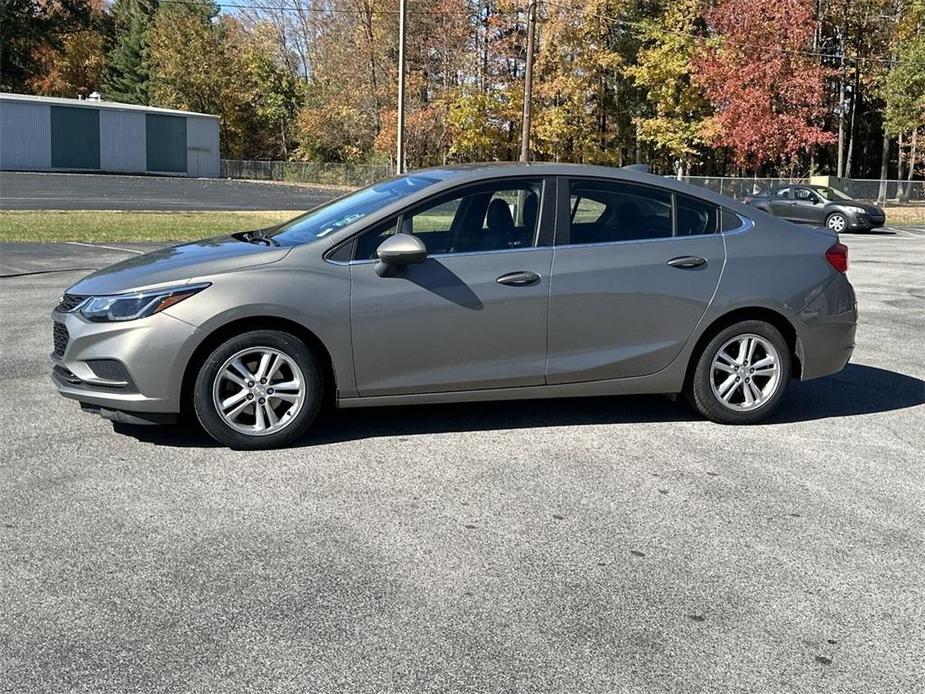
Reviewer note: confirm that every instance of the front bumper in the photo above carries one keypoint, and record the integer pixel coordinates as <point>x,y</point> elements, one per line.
<point>143,362</point>
<point>866,221</point>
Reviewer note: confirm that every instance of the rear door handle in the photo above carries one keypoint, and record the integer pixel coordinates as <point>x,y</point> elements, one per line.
<point>687,262</point>
<point>519,279</point>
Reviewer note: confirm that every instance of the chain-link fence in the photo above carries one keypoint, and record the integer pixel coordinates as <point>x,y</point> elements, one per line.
<point>306,172</point>
<point>734,187</point>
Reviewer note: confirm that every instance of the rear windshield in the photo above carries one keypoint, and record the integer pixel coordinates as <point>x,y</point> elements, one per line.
<point>335,215</point>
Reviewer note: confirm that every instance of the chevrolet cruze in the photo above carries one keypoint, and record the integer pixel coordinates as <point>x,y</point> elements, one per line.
<point>459,285</point>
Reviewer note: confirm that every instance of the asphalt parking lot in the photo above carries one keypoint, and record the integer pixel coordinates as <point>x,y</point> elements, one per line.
<point>605,545</point>
<point>61,191</point>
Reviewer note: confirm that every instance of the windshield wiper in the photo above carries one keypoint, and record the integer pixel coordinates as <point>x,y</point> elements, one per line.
<point>258,237</point>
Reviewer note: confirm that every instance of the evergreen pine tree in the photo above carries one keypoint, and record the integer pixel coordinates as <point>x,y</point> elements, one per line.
<point>128,73</point>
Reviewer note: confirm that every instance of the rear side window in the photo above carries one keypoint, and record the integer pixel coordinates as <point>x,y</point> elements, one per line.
<point>604,212</point>
<point>729,221</point>
<point>609,211</point>
<point>695,217</point>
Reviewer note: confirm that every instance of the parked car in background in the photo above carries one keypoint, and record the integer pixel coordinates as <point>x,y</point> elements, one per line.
<point>821,205</point>
<point>463,284</point>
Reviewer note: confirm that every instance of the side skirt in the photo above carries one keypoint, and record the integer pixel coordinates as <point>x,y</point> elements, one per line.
<point>654,384</point>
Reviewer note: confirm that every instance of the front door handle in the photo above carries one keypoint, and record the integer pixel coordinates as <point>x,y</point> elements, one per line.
<point>688,262</point>
<point>519,279</point>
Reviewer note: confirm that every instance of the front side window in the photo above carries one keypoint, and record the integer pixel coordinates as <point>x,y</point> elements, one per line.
<point>604,212</point>
<point>806,195</point>
<point>832,194</point>
<point>488,217</point>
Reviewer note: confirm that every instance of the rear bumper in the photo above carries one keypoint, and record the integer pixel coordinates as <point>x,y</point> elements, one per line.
<point>830,325</point>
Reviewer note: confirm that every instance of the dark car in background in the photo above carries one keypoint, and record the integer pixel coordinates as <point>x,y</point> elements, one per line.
<point>821,205</point>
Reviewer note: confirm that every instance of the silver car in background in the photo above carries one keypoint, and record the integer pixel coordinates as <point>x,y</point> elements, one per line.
<point>463,284</point>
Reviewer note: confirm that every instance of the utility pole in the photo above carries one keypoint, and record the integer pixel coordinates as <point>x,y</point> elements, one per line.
<point>528,83</point>
<point>400,149</point>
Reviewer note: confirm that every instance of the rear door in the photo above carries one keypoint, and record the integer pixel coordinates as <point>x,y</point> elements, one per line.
<point>635,267</point>
<point>472,315</point>
<point>781,202</point>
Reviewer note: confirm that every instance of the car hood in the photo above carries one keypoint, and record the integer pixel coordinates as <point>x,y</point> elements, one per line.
<point>866,206</point>
<point>178,264</point>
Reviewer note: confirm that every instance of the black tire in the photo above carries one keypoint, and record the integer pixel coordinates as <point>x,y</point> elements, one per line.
<point>288,345</point>
<point>702,388</point>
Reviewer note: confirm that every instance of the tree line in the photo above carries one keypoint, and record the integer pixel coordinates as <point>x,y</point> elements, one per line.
<point>713,87</point>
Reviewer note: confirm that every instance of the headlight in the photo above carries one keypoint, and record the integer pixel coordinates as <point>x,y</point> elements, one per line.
<point>855,210</point>
<point>119,307</point>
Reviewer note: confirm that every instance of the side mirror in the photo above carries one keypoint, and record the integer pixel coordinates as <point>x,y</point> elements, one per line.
<point>399,250</point>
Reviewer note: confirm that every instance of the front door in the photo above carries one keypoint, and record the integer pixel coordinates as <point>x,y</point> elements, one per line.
<point>473,315</point>
<point>808,206</point>
<point>631,279</point>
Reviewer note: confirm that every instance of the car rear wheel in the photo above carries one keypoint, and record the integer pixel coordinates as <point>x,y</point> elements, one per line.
<point>836,222</point>
<point>260,389</point>
<point>741,375</point>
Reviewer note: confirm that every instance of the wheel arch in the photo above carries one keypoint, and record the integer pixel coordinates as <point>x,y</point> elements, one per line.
<point>775,318</point>
<point>242,325</point>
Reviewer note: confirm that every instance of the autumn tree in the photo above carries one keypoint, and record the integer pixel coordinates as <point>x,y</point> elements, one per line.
<point>904,88</point>
<point>761,79</point>
<point>197,64</point>
<point>31,30</point>
<point>664,69</point>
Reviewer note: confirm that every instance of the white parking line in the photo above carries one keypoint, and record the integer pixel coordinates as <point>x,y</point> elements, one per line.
<point>110,248</point>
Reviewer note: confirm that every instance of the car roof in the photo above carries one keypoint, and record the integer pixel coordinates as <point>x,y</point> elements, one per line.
<point>470,173</point>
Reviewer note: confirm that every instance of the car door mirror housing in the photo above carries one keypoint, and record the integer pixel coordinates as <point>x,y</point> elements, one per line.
<point>399,250</point>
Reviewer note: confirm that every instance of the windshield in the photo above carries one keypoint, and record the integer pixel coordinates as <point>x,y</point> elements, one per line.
<point>831,194</point>
<point>336,215</point>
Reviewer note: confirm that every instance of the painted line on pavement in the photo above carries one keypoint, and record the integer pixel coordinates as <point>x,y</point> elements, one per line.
<point>109,248</point>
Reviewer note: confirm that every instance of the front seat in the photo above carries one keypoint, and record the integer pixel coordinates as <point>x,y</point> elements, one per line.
<point>530,211</point>
<point>626,222</point>
<point>500,224</point>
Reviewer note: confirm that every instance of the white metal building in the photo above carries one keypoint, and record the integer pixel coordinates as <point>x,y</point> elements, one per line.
<point>40,133</point>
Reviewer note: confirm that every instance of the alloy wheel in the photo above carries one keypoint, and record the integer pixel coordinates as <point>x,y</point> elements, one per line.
<point>745,372</point>
<point>837,223</point>
<point>258,391</point>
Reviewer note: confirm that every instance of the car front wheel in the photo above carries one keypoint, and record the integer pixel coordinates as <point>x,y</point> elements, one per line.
<point>836,222</point>
<point>260,389</point>
<point>742,374</point>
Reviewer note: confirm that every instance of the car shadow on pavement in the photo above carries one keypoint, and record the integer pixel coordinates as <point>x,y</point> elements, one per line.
<point>856,390</point>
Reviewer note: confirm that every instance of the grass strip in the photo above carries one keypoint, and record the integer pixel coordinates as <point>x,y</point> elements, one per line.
<point>108,225</point>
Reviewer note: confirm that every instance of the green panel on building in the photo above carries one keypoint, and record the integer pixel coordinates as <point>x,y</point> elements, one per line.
<point>166,143</point>
<point>75,138</point>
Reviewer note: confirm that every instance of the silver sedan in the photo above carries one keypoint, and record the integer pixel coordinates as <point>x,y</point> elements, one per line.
<point>463,284</point>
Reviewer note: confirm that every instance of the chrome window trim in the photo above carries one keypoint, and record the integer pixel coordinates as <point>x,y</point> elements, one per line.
<point>747,225</point>
<point>451,255</point>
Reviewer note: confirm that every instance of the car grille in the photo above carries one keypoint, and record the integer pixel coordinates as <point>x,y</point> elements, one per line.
<point>69,302</point>
<point>61,338</point>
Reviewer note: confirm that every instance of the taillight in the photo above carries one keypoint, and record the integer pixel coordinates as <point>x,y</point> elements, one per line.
<point>837,256</point>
